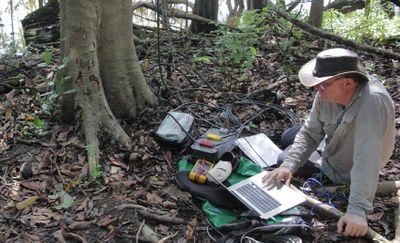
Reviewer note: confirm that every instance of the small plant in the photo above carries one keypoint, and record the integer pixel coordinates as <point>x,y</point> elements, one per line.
<point>235,50</point>
<point>94,167</point>
<point>48,100</point>
<point>34,126</point>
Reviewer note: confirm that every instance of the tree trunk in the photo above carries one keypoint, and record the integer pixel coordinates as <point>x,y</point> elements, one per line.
<point>207,9</point>
<point>255,4</point>
<point>234,11</point>
<point>97,38</point>
<point>316,13</point>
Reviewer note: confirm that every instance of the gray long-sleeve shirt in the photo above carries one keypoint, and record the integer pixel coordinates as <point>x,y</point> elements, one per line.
<point>358,142</point>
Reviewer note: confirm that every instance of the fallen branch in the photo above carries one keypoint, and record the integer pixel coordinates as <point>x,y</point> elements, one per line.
<point>145,233</point>
<point>176,13</point>
<point>385,188</point>
<point>316,31</point>
<point>166,238</point>
<point>161,218</point>
<point>330,211</point>
<point>6,85</point>
<point>270,87</point>
<point>137,206</point>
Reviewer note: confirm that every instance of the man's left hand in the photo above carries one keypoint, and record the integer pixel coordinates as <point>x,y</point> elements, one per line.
<point>352,225</point>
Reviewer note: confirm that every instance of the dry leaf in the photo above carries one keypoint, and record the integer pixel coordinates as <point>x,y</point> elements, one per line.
<point>72,184</point>
<point>119,163</point>
<point>153,198</point>
<point>14,195</point>
<point>375,217</point>
<point>168,157</point>
<point>34,185</point>
<point>27,202</point>
<point>111,233</point>
<point>59,237</point>
<point>123,183</point>
<point>83,205</point>
<point>9,114</point>
<point>62,136</point>
<point>80,225</point>
<point>148,234</point>
<point>29,118</point>
<point>42,216</point>
<point>190,229</point>
<point>73,236</point>
<point>109,219</point>
<point>31,237</point>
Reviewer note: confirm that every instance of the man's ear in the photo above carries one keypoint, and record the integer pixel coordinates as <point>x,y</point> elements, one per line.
<point>349,83</point>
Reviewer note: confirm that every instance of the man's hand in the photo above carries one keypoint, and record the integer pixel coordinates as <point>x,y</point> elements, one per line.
<point>352,225</point>
<point>277,176</point>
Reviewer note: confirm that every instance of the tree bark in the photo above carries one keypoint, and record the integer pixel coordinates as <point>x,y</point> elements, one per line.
<point>206,9</point>
<point>255,4</point>
<point>97,38</point>
<point>234,11</point>
<point>316,13</point>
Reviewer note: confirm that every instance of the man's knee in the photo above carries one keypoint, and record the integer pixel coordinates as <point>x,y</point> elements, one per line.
<point>288,136</point>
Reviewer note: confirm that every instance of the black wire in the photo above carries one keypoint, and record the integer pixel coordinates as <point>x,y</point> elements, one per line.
<point>237,125</point>
<point>234,120</point>
<point>294,120</point>
<point>237,122</point>
<point>198,117</point>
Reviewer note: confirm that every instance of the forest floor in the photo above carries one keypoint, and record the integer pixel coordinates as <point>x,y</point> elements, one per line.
<point>45,192</point>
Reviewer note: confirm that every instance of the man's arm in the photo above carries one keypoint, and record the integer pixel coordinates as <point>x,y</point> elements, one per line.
<point>307,139</point>
<point>371,124</point>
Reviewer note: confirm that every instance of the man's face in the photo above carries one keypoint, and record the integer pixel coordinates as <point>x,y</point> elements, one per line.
<point>332,90</point>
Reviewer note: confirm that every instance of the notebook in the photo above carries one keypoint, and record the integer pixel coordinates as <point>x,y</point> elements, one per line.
<point>266,201</point>
<point>260,149</point>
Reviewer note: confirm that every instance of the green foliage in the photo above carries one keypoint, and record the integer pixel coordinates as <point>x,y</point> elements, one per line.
<point>57,86</point>
<point>65,200</point>
<point>34,126</point>
<point>235,50</point>
<point>364,25</point>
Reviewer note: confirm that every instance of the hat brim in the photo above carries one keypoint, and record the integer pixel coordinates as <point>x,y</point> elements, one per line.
<point>308,79</point>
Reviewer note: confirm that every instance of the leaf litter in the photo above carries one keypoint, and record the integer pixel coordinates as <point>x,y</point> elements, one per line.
<point>46,195</point>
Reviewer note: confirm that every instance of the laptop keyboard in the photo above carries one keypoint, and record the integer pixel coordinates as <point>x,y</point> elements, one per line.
<point>262,200</point>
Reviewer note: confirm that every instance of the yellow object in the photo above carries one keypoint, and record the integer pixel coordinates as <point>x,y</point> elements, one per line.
<point>214,137</point>
<point>197,174</point>
<point>27,202</point>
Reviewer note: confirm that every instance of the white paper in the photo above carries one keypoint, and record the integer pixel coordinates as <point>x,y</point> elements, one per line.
<point>260,149</point>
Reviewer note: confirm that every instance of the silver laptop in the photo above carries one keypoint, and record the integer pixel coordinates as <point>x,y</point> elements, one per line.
<point>266,201</point>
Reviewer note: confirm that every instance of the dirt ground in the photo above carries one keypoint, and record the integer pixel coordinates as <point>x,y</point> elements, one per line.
<point>45,192</point>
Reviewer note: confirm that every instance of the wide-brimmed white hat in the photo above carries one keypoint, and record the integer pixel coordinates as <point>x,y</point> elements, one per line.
<point>329,64</point>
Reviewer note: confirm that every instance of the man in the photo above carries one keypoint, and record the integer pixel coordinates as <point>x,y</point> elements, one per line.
<point>351,124</point>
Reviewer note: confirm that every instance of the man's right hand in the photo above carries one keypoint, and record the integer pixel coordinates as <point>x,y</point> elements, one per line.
<point>278,176</point>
